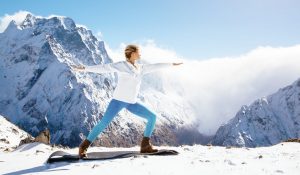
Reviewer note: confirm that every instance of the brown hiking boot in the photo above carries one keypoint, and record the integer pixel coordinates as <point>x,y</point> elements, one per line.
<point>83,148</point>
<point>146,146</point>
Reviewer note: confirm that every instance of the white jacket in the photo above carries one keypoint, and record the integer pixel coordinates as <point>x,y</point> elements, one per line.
<point>129,77</point>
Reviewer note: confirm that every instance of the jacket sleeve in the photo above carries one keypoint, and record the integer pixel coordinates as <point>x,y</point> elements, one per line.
<point>148,68</point>
<point>104,68</point>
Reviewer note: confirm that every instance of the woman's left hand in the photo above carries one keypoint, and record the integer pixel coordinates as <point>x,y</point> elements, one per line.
<point>176,64</point>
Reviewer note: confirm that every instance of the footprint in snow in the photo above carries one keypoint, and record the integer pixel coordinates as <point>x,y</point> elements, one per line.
<point>229,162</point>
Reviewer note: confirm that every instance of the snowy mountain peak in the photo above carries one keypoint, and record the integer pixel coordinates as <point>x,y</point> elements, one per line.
<point>28,21</point>
<point>267,121</point>
<point>68,23</point>
<point>38,88</point>
<point>53,21</point>
<point>12,27</point>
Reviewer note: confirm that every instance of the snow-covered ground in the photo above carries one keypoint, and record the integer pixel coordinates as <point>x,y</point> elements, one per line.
<point>10,135</point>
<point>283,158</point>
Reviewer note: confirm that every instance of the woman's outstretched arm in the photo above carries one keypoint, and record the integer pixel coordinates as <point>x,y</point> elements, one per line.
<point>148,68</point>
<point>100,68</point>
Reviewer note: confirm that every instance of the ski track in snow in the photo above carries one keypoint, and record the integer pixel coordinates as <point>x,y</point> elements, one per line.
<point>283,158</point>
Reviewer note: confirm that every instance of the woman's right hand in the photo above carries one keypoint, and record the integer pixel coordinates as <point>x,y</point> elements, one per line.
<point>80,67</point>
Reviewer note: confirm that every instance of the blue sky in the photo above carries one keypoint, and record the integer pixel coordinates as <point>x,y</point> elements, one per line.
<point>192,28</point>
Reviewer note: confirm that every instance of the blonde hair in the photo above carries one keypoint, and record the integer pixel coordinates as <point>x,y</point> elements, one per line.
<point>129,49</point>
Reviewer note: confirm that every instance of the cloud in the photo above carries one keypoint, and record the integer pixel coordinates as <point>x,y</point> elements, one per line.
<point>99,35</point>
<point>216,88</point>
<point>6,19</point>
<point>83,26</point>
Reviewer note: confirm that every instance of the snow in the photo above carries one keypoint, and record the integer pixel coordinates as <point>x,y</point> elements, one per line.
<point>10,134</point>
<point>283,158</point>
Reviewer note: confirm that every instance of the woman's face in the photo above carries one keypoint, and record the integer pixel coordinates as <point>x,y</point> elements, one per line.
<point>135,55</point>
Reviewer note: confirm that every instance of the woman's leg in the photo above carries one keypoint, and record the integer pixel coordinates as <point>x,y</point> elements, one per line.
<point>140,110</point>
<point>114,107</point>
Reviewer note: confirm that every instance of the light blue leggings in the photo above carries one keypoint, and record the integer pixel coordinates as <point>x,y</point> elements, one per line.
<point>114,107</point>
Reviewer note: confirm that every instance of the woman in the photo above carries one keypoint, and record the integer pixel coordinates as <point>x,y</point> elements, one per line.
<point>125,95</point>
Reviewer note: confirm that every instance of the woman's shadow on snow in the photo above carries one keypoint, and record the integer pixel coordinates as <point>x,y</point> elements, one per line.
<point>42,168</point>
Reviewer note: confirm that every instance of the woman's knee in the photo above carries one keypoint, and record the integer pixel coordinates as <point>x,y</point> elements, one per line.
<point>152,117</point>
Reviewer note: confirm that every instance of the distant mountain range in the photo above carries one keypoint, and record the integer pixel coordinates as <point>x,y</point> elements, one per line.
<point>267,121</point>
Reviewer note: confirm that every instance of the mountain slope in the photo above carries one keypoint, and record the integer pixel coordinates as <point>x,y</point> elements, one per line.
<point>267,121</point>
<point>10,134</point>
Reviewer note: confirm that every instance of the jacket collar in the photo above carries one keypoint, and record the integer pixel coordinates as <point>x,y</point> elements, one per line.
<point>134,69</point>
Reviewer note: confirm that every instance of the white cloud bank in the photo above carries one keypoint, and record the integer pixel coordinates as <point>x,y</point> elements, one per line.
<point>218,87</point>
<point>18,17</point>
